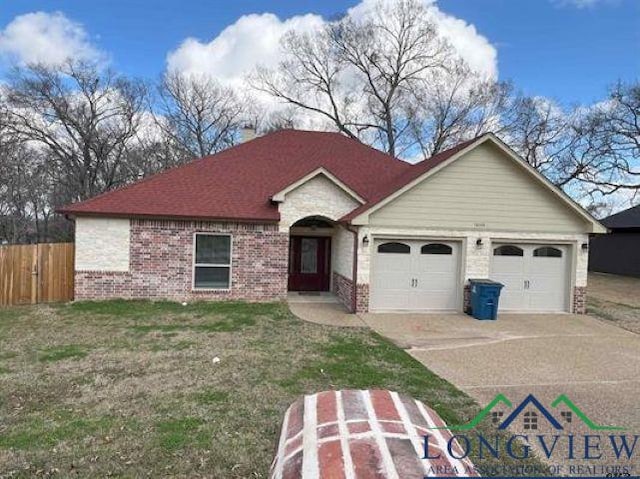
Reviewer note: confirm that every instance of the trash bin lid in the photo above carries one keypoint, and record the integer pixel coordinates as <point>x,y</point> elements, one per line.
<point>484,281</point>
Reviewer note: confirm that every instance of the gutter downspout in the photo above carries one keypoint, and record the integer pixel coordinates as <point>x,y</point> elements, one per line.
<point>354,272</point>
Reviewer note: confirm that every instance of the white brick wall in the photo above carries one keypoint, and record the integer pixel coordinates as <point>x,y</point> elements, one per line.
<point>342,252</point>
<point>321,197</point>
<point>317,197</point>
<point>102,244</point>
<point>476,260</point>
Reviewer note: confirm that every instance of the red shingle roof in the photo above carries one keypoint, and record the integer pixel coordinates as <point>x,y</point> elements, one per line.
<point>237,183</point>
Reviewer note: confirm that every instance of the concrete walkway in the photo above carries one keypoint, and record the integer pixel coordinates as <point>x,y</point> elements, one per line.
<point>328,313</point>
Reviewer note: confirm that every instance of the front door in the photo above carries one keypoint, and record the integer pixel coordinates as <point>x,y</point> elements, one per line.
<point>309,263</point>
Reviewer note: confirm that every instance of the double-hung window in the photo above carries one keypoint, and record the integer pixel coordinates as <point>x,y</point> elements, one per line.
<point>212,261</point>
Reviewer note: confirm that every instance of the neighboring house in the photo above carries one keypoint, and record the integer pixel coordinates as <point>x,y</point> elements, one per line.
<point>619,251</point>
<point>315,211</point>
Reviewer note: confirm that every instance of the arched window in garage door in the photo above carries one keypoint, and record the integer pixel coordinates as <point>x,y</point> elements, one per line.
<point>399,248</point>
<point>508,250</point>
<point>547,252</point>
<point>436,248</point>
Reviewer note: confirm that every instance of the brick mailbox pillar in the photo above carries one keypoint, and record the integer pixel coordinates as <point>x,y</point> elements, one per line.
<point>369,434</point>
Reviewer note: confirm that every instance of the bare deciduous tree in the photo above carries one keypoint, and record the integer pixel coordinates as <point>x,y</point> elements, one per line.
<point>84,117</point>
<point>609,143</point>
<point>540,131</point>
<point>456,108</point>
<point>197,115</point>
<point>359,74</point>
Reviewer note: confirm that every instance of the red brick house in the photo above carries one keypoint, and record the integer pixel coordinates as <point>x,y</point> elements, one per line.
<point>316,211</point>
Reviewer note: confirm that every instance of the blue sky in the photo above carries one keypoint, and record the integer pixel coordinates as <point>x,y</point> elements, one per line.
<point>569,50</point>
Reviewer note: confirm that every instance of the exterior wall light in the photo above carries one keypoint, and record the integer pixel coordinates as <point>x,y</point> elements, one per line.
<point>585,246</point>
<point>479,242</point>
<point>365,240</point>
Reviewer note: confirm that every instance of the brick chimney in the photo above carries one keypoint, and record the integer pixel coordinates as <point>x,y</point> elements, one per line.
<point>247,133</point>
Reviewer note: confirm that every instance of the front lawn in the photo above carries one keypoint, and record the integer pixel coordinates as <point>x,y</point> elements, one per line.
<point>615,299</point>
<point>159,389</point>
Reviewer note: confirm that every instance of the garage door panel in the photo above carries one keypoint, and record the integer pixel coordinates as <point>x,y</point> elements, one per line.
<point>442,300</point>
<point>391,299</point>
<point>535,281</point>
<point>547,266</point>
<point>415,281</point>
<point>542,302</point>
<point>428,263</point>
<point>393,262</point>
<point>393,280</point>
<point>548,279</point>
<point>512,296</point>
<point>510,265</point>
<point>510,271</point>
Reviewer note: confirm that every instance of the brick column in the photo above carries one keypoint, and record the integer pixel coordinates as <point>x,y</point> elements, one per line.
<point>466,299</point>
<point>580,300</point>
<point>362,298</point>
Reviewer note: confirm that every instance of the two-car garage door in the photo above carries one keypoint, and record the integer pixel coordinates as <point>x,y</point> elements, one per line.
<point>424,275</point>
<point>415,275</point>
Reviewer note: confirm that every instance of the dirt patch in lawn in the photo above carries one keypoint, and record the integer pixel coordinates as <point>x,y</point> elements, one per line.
<point>160,389</point>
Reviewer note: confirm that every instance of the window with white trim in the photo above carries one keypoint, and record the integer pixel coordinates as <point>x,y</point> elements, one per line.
<point>212,261</point>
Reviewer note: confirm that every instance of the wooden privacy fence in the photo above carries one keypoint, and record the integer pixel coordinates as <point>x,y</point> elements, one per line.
<point>36,273</point>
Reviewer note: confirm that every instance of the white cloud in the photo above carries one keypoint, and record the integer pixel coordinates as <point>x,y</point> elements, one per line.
<point>254,40</point>
<point>46,38</point>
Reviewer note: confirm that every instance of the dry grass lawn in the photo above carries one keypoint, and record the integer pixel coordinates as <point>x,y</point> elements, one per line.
<point>131,389</point>
<point>616,299</point>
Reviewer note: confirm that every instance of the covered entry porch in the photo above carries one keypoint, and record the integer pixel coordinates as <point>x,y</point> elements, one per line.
<point>320,262</point>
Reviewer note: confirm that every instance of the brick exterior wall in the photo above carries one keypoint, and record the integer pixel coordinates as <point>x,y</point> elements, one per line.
<point>580,300</point>
<point>342,287</point>
<point>362,298</point>
<point>161,259</point>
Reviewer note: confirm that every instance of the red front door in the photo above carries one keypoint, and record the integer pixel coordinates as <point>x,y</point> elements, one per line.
<point>309,263</point>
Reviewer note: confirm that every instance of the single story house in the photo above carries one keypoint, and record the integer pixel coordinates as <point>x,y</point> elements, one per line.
<point>619,251</point>
<point>317,211</point>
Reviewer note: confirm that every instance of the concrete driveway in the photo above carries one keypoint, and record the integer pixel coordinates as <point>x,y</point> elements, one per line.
<point>595,364</point>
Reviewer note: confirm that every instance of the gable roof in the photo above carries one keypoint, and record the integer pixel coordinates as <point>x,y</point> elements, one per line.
<point>430,166</point>
<point>629,218</point>
<point>280,195</point>
<point>238,183</point>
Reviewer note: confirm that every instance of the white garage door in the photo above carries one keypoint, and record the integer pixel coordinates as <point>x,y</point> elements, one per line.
<point>536,277</point>
<point>415,275</point>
